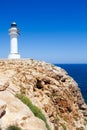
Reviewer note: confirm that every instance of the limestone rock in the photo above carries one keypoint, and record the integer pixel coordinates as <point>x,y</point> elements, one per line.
<point>84,107</point>
<point>17,113</point>
<point>3,85</point>
<point>48,87</point>
<point>2,108</point>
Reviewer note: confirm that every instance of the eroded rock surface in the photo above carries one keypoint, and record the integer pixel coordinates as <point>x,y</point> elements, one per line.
<point>2,108</point>
<point>48,87</point>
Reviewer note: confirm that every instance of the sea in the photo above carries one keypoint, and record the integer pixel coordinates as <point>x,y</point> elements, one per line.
<point>79,73</point>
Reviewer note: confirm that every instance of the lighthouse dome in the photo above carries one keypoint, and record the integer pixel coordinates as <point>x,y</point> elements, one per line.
<point>13,24</point>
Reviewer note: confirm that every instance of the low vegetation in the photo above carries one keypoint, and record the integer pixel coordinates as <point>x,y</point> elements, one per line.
<point>13,127</point>
<point>64,127</point>
<point>37,112</point>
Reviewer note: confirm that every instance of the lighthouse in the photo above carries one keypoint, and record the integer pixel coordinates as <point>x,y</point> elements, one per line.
<point>14,32</point>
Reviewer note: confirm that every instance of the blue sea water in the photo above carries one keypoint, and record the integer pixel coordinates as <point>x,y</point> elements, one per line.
<point>79,73</point>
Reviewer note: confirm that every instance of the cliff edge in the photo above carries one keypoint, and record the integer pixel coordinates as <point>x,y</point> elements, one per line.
<point>48,88</point>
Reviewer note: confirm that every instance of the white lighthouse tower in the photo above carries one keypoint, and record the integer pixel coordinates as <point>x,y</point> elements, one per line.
<point>13,32</point>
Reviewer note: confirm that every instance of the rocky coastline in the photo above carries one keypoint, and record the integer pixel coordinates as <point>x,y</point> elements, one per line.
<point>48,87</point>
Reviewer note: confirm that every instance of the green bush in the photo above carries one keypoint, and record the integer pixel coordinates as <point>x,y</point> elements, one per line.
<point>64,127</point>
<point>37,112</point>
<point>13,127</point>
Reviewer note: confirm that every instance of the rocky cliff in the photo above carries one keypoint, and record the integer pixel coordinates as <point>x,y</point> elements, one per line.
<point>49,88</point>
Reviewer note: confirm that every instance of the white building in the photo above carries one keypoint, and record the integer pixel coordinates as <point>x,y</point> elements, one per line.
<point>14,32</point>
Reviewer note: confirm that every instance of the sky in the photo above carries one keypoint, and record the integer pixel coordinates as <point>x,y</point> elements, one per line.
<point>51,30</point>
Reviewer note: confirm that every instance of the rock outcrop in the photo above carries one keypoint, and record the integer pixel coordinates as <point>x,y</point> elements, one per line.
<point>48,87</point>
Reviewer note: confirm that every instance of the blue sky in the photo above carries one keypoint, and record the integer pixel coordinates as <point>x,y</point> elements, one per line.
<point>51,30</point>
